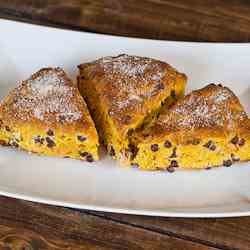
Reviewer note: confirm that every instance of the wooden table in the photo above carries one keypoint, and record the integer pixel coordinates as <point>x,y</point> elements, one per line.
<point>26,225</point>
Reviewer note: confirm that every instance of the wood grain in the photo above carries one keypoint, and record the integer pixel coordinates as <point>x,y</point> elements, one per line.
<point>26,225</point>
<point>207,20</point>
<point>37,226</point>
<point>230,233</point>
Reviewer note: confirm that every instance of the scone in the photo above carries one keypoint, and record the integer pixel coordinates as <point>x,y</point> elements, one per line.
<point>124,93</point>
<point>205,129</point>
<point>47,115</point>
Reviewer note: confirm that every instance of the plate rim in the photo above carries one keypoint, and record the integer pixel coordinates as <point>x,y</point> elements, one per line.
<point>148,212</point>
<point>143,212</point>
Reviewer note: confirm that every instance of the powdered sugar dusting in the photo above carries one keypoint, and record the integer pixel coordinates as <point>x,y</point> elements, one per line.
<point>157,76</point>
<point>134,78</point>
<point>130,66</point>
<point>221,95</point>
<point>208,107</point>
<point>135,97</point>
<point>47,97</point>
<point>131,98</point>
<point>128,69</point>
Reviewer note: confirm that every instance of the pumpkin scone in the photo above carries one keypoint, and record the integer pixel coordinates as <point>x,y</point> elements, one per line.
<point>46,115</point>
<point>124,93</point>
<point>205,129</point>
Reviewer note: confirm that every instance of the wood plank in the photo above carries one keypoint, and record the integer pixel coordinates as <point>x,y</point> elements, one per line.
<point>17,238</point>
<point>48,227</point>
<point>229,233</point>
<point>25,224</point>
<point>173,20</point>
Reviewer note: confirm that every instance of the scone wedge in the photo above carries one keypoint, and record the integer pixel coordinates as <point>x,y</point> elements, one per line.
<point>46,115</point>
<point>205,129</point>
<point>124,93</point>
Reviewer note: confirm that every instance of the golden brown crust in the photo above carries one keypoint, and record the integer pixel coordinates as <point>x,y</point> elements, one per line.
<point>46,114</point>
<point>129,85</point>
<point>213,108</point>
<point>205,129</point>
<point>47,97</point>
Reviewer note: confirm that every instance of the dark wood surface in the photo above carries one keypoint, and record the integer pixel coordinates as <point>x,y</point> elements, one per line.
<point>26,225</point>
<point>190,20</point>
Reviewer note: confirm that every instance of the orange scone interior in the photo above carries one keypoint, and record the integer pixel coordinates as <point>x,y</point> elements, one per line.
<point>47,115</point>
<point>206,128</point>
<point>124,93</point>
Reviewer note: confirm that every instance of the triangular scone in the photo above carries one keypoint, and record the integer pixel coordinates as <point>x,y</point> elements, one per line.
<point>124,93</point>
<point>206,128</point>
<point>47,115</point>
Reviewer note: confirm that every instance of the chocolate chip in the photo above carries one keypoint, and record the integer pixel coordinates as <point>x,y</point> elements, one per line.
<point>173,94</point>
<point>133,150</point>
<point>81,138</point>
<point>15,144</point>
<point>241,142</point>
<point>7,128</point>
<point>220,85</point>
<point>89,158</point>
<point>135,165</point>
<point>83,154</point>
<point>167,144</point>
<point>50,132</point>
<point>235,158</point>
<point>173,155</point>
<point>227,163</point>
<point>210,145</point>
<point>174,164</point>
<point>112,151</point>
<point>170,169</point>
<point>130,132</point>
<point>235,140</point>
<point>50,142</point>
<point>159,86</point>
<point>126,119</point>
<point>154,147</point>
<point>62,118</point>
<point>38,140</point>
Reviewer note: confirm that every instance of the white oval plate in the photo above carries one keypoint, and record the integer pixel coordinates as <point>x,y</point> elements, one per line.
<point>104,186</point>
